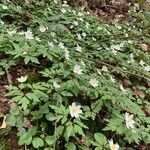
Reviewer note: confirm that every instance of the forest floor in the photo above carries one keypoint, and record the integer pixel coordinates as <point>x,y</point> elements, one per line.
<point>112,12</point>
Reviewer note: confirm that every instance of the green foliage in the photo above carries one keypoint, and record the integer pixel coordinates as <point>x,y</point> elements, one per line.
<point>73,57</point>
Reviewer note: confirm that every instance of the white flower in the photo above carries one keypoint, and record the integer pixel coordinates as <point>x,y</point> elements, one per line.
<point>117,26</point>
<point>104,68</point>
<point>80,14</point>
<point>53,34</point>
<point>65,2</point>
<point>84,34</point>
<point>82,63</point>
<point>74,12</point>
<point>29,35</point>
<point>4,7</point>
<point>129,41</point>
<point>27,1</point>
<point>78,48</point>
<point>1,22</point>
<point>147,68</point>
<point>61,45</point>
<point>94,82</point>
<point>21,33</point>
<point>87,25</point>
<point>71,27</point>
<point>19,7</point>
<point>10,33</point>
<point>94,39</point>
<point>56,85</point>
<point>50,44</point>
<point>88,12</point>
<point>42,28</point>
<point>63,10</point>
<point>131,56</point>
<point>122,88</point>
<point>79,36</point>
<point>142,63</point>
<point>113,146</point>
<point>22,79</point>
<point>75,23</point>
<point>66,54</point>
<point>99,71</point>
<point>75,110</point>
<point>129,120</point>
<point>77,69</point>
<point>81,19</point>
<point>112,79</point>
<point>114,52</point>
<point>115,47</point>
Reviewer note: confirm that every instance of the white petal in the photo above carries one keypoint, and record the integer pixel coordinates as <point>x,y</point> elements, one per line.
<point>76,115</point>
<point>117,146</point>
<point>74,104</point>
<point>22,79</point>
<point>111,142</point>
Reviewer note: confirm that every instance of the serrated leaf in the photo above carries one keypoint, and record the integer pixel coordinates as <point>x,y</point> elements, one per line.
<point>100,138</point>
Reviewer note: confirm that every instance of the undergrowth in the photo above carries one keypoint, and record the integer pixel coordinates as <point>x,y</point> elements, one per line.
<point>80,78</point>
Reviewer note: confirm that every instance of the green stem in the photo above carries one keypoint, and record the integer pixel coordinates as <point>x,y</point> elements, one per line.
<point>55,128</point>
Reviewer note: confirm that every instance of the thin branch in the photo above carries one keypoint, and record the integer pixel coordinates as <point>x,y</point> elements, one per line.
<point>9,77</point>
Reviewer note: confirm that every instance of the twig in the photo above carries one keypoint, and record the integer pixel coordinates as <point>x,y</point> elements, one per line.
<point>119,69</point>
<point>9,77</point>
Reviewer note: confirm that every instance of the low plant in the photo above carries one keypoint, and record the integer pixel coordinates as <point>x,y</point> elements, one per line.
<point>88,82</point>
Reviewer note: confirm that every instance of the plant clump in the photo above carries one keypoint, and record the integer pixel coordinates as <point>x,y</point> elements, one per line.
<point>79,83</point>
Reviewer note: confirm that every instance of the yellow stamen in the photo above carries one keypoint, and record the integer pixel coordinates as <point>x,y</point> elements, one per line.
<point>74,110</point>
<point>113,147</point>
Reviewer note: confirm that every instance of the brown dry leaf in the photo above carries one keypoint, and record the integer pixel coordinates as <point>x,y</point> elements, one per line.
<point>146,109</point>
<point>27,123</point>
<point>145,47</point>
<point>4,125</point>
<point>13,105</point>
<point>139,93</point>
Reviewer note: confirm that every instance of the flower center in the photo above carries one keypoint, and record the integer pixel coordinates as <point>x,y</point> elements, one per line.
<point>113,147</point>
<point>129,119</point>
<point>74,110</point>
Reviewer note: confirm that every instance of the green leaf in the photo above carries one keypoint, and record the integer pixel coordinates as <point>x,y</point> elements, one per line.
<point>49,140</point>
<point>11,120</point>
<point>59,130</point>
<point>25,139</point>
<point>100,138</point>
<point>51,117</point>
<point>99,148</point>
<point>70,146</point>
<point>32,131</point>
<point>78,129</point>
<point>70,130</point>
<point>66,93</point>
<point>24,103</point>
<point>37,142</point>
<point>141,2</point>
